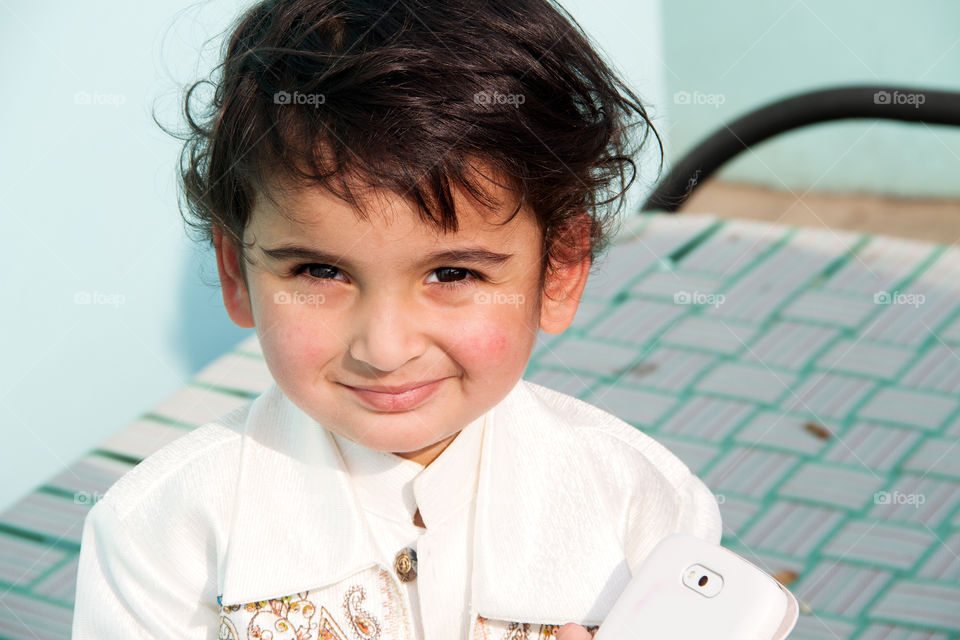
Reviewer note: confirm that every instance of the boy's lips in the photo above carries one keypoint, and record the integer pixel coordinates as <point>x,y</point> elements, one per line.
<point>405,398</point>
<point>395,389</point>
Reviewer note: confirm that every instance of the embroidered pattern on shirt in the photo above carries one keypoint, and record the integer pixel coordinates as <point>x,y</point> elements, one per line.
<point>489,629</point>
<point>309,615</point>
<point>364,624</point>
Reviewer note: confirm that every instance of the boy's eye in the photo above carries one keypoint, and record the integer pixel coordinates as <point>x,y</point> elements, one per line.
<point>452,273</point>
<point>318,271</point>
<point>448,276</point>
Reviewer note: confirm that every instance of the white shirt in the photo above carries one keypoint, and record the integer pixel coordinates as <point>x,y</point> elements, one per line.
<point>253,520</point>
<point>390,489</point>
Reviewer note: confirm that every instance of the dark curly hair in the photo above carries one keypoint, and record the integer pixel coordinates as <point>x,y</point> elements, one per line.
<point>406,96</point>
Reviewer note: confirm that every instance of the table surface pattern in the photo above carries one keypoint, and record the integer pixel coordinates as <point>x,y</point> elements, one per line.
<point>810,377</point>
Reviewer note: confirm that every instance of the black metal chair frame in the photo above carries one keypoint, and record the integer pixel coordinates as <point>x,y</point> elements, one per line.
<point>869,101</point>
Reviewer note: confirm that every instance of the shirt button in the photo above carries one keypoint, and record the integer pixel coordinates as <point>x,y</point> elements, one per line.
<point>405,564</point>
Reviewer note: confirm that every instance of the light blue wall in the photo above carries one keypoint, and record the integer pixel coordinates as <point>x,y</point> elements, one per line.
<point>87,193</point>
<point>739,55</point>
<point>89,207</point>
<point>628,33</point>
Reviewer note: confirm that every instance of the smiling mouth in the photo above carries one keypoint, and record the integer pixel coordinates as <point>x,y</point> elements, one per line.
<point>409,397</point>
<point>396,389</point>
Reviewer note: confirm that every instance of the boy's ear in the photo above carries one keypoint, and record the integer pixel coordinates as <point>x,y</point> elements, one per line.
<point>565,284</point>
<point>236,297</point>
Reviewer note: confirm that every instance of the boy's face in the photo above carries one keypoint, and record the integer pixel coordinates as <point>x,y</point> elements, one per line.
<point>377,311</point>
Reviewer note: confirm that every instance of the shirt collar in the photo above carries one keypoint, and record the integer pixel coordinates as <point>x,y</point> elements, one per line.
<point>383,481</point>
<point>394,487</point>
<point>450,481</point>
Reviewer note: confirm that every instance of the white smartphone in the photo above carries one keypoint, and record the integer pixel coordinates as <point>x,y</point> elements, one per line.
<point>691,589</point>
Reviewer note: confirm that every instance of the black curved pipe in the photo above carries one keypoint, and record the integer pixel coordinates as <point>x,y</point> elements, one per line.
<point>870,101</point>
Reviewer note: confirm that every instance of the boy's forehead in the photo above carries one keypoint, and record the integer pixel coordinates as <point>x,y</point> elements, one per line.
<point>314,210</point>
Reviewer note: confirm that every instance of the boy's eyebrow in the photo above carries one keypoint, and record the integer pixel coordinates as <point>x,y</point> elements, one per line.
<point>475,255</point>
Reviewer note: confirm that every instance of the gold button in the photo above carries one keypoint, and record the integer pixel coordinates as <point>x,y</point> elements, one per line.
<point>405,564</point>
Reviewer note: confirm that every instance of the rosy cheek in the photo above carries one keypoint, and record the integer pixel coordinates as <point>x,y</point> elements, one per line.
<point>490,344</point>
<point>290,341</point>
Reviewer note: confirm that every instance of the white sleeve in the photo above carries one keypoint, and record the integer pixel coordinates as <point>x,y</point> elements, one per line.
<point>131,584</point>
<point>660,508</point>
<point>699,511</point>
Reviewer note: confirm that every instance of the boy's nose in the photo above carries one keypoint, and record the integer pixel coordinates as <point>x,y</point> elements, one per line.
<point>385,336</point>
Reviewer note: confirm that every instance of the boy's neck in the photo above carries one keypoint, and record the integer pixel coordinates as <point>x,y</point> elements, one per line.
<point>417,520</point>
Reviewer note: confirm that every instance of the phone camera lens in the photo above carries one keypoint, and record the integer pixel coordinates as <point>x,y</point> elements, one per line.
<point>702,581</point>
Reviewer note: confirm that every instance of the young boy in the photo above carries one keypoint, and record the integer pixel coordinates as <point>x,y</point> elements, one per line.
<point>400,195</point>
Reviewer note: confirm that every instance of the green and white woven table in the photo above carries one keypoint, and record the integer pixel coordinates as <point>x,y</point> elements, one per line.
<point>810,377</point>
